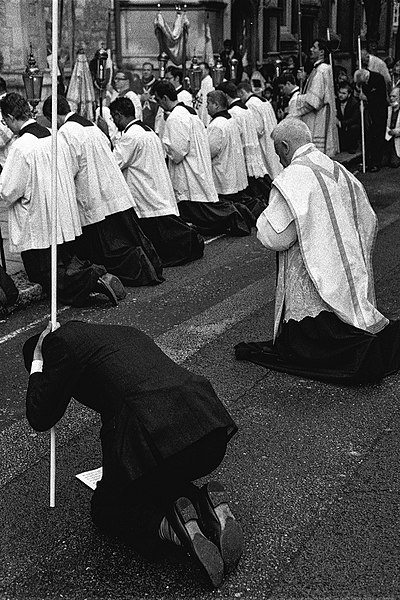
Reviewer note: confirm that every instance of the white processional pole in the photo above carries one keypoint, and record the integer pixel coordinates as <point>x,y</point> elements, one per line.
<point>53,311</point>
<point>362,111</point>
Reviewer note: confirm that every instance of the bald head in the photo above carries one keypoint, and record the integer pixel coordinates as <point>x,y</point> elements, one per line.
<point>289,135</point>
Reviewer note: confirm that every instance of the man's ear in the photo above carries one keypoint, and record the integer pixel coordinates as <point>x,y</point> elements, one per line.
<point>285,146</point>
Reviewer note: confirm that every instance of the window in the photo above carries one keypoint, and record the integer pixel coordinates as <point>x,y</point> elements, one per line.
<point>286,14</point>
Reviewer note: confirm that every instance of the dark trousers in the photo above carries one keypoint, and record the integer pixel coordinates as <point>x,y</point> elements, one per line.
<point>349,138</point>
<point>134,515</point>
<point>375,140</point>
<point>390,157</point>
<point>76,279</point>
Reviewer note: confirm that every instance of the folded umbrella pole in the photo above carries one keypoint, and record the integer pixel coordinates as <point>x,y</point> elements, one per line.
<point>54,73</point>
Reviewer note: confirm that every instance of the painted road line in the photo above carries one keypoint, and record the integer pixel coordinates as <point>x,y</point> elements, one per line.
<point>217,237</point>
<point>183,340</point>
<point>180,343</point>
<point>13,334</point>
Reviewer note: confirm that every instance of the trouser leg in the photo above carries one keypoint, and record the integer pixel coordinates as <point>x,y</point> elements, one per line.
<point>76,279</point>
<point>135,514</point>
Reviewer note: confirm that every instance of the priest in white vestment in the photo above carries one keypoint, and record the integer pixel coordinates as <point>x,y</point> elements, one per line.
<point>25,187</point>
<point>319,220</point>
<point>107,209</point>
<point>316,104</point>
<point>265,121</point>
<point>187,148</point>
<point>140,155</point>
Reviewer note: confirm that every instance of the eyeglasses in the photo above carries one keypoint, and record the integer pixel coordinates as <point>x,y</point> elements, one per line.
<point>120,78</point>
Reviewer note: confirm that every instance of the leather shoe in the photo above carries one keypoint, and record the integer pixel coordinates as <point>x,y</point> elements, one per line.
<point>183,519</point>
<point>110,286</point>
<point>218,523</point>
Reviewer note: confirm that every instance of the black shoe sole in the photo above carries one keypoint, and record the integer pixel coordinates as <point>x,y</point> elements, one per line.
<point>219,524</point>
<point>183,519</point>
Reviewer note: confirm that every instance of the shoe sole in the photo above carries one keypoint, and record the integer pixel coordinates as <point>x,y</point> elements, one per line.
<point>206,554</point>
<point>118,288</point>
<point>229,539</point>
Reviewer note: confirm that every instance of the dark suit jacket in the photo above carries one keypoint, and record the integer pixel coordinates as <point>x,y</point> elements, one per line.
<point>151,408</point>
<point>351,116</point>
<point>376,93</point>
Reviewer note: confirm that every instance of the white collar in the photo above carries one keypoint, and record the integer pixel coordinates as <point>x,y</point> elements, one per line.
<point>302,149</point>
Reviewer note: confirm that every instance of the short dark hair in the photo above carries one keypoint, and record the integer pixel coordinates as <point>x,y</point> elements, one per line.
<point>15,105</point>
<point>148,63</point>
<point>3,85</point>
<point>175,72</point>
<point>218,97</point>
<point>246,86</point>
<point>345,85</point>
<point>324,45</point>
<point>165,88</point>
<point>63,107</point>
<point>286,78</point>
<point>229,88</point>
<point>124,106</point>
<point>29,349</point>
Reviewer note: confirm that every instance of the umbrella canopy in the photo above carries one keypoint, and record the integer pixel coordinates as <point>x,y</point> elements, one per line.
<point>80,93</point>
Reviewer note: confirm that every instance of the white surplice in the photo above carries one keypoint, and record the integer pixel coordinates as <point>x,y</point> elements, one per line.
<point>228,164</point>
<point>25,187</point>
<point>6,138</point>
<point>101,189</point>
<point>265,121</point>
<point>251,146</point>
<point>186,144</point>
<point>140,155</point>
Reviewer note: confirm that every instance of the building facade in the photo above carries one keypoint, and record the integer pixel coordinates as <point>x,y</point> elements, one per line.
<point>263,31</point>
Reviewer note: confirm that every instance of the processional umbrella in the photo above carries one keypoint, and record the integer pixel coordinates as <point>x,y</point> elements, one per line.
<point>81,94</point>
<point>53,312</point>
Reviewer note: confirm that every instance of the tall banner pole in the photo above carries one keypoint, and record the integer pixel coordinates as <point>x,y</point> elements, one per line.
<point>300,42</point>
<point>53,311</point>
<point>362,110</point>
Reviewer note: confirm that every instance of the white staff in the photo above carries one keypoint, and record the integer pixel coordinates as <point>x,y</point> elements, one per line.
<point>54,73</point>
<point>362,110</point>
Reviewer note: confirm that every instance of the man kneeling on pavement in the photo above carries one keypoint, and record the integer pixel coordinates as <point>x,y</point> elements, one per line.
<point>162,428</point>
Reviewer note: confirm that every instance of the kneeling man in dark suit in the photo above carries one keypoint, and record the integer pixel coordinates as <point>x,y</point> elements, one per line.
<point>162,428</point>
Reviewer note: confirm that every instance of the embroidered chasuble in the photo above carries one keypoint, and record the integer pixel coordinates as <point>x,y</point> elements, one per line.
<point>327,325</point>
<point>316,107</point>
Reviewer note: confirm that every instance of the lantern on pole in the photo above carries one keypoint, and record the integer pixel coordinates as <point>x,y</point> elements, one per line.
<point>101,57</point>
<point>33,82</point>
<point>195,75</point>
<point>218,72</point>
<point>162,64</point>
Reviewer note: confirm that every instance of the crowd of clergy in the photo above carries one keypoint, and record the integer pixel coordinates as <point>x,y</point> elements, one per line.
<point>141,184</point>
<point>131,201</point>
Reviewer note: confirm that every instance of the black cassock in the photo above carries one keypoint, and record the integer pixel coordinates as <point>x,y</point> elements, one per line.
<point>327,349</point>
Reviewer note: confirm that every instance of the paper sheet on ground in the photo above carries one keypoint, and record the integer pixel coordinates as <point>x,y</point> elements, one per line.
<point>90,478</point>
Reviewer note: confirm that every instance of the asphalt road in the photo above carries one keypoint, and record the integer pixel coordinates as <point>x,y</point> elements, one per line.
<point>312,474</point>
